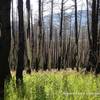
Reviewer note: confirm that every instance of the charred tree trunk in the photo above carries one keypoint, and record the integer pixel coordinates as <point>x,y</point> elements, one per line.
<point>28,16</point>
<point>32,39</point>
<point>98,38</point>
<point>40,24</point>
<point>45,59</point>
<point>5,39</point>
<point>88,25</point>
<point>38,58</point>
<point>51,22</point>
<point>76,36</point>
<point>21,45</point>
<point>60,36</point>
<point>93,59</point>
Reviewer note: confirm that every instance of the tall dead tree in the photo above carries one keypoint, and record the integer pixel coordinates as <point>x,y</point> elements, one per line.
<point>94,27</point>
<point>32,38</point>
<point>98,16</point>
<point>29,35</point>
<point>38,57</point>
<point>5,39</point>
<point>40,23</point>
<point>13,42</point>
<point>51,21</point>
<point>21,45</point>
<point>88,23</point>
<point>93,54</point>
<point>98,37</point>
<point>51,33</point>
<point>60,36</point>
<point>76,35</point>
<point>13,21</point>
<point>44,53</point>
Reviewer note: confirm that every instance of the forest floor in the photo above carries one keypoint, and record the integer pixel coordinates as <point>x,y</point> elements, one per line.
<point>54,85</point>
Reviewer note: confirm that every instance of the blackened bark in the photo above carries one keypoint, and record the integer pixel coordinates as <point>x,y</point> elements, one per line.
<point>5,39</point>
<point>51,22</point>
<point>28,12</point>
<point>98,39</point>
<point>76,35</point>
<point>21,45</point>
<point>61,21</point>
<point>40,24</point>
<point>45,62</point>
<point>93,56</point>
<point>94,26</point>
<point>32,39</point>
<point>60,35</point>
<point>28,71</point>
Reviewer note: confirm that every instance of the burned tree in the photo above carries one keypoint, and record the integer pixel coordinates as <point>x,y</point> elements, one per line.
<point>21,45</point>
<point>28,16</point>
<point>5,38</point>
<point>93,54</point>
<point>76,35</point>
<point>50,36</point>
<point>28,32</point>
<point>60,36</point>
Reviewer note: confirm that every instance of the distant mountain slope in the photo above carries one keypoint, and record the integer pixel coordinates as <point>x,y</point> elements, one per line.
<point>56,17</point>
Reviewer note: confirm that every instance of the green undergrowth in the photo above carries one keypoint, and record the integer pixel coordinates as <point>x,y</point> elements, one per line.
<point>55,85</point>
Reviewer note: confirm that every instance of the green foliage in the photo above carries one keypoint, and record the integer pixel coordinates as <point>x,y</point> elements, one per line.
<point>55,86</point>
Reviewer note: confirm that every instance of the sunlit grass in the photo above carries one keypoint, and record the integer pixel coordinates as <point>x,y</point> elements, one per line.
<point>55,86</point>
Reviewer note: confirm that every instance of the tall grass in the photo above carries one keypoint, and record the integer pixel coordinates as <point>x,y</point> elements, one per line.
<point>55,86</point>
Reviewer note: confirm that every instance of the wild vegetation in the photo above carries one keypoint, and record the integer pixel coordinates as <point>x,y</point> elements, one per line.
<point>54,85</point>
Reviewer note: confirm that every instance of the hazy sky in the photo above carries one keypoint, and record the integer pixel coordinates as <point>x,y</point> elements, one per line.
<point>57,5</point>
<point>81,4</point>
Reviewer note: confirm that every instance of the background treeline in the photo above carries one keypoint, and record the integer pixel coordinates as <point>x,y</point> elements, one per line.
<point>56,40</point>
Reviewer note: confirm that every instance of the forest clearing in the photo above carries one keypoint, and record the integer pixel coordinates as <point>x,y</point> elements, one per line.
<point>54,85</point>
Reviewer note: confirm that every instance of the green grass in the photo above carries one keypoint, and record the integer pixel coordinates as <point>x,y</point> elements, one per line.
<point>55,86</point>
